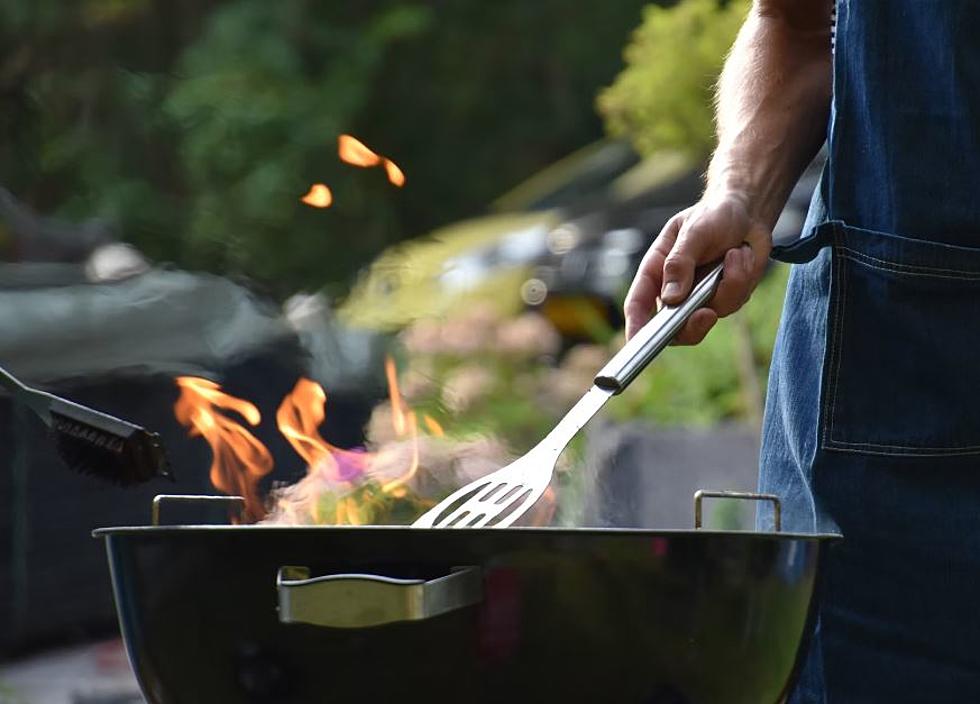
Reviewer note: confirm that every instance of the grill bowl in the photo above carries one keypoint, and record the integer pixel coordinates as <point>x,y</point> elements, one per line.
<point>565,615</point>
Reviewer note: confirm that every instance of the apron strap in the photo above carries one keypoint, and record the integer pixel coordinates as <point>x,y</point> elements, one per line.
<point>806,248</point>
<point>818,231</point>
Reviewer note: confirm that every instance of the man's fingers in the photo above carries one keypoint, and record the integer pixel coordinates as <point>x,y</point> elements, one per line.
<point>741,273</point>
<point>641,300</point>
<point>737,281</point>
<point>700,235</point>
<point>678,277</point>
<point>697,326</point>
<point>688,251</point>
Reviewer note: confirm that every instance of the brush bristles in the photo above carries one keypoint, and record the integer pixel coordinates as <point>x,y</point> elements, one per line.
<point>116,451</point>
<point>97,439</point>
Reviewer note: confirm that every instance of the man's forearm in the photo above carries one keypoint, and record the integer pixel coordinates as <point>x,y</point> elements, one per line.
<point>773,103</point>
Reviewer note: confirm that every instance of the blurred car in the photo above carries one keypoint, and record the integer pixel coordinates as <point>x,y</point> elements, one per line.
<point>488,257</point>
<point>566,242</point>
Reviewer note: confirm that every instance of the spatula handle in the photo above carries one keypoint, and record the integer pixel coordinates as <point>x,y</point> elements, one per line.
<point>655,335</point>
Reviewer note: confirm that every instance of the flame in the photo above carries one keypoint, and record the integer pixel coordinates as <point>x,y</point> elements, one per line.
<point>433,427</point>
<point>395,174</point>
<point>413,467</point>
<point>239,459</point>
<point>298,417</point>
<point>331,468</point>
<point>343,487</point>
<point>395,397</point>
<point>353,151</point>
<point>404,421</point>
<point>319,196</point>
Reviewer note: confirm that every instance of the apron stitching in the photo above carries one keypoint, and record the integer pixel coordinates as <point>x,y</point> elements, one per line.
<point>838,333</point>
<point>909,269</point>
<point>909,447</point>
<point>911,451</point>
<point>842,253</point>
<point>831,357</point>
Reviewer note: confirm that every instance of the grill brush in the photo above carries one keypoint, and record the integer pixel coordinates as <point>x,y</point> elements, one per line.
<point>92,442</point>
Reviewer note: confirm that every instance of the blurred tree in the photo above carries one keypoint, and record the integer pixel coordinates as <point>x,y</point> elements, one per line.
<point>259,101</point>
<point>663,98</point>
<point>492,93</point>
<point>195,125</point>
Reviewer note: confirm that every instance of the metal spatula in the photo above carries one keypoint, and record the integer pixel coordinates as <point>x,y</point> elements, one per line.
<point>500,498</point>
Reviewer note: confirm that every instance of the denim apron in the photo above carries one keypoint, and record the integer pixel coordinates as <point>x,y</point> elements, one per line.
<point>872,422</point>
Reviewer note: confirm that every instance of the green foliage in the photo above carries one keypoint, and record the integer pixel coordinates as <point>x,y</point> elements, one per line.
<point>263,94</point>
<point>663,98</point>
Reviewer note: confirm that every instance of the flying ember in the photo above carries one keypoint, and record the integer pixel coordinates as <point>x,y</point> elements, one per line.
<point>319,196</point>
<point>353,151</point>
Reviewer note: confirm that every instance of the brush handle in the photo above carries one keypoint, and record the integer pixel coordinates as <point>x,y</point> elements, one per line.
<point>37,401</point>
<point>653,337</point>
<point>10,382</point>
<point>98,420</point>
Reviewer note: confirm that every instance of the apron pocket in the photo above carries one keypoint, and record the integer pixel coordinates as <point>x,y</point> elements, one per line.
<point>902,375</point>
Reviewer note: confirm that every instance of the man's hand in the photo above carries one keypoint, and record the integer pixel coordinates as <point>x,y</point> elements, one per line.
<point>717,226</point>
<point>772,109</point>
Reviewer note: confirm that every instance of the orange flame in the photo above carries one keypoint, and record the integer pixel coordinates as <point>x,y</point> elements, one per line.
<point>433,427</point>
<point>319,196</point>
<point>413,467</point>
<point>395,174</point>
<point>239,459</point>
<point>353,151</point>
<point>330,469</point>
<point>298,417</point>
<point>403,420</point>
<point>395,397</point>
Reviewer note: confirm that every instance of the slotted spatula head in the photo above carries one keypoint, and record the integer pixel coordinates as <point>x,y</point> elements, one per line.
<point>498,499</point>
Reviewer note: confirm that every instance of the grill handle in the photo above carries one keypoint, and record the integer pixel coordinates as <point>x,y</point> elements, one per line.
<point>161,499</point>
<point>700,495</point>
<point>366,600</point>
<point>653,337</point>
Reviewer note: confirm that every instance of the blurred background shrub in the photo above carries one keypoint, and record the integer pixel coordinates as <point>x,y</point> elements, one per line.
<point>663,99</point>
<point>196,125</point>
